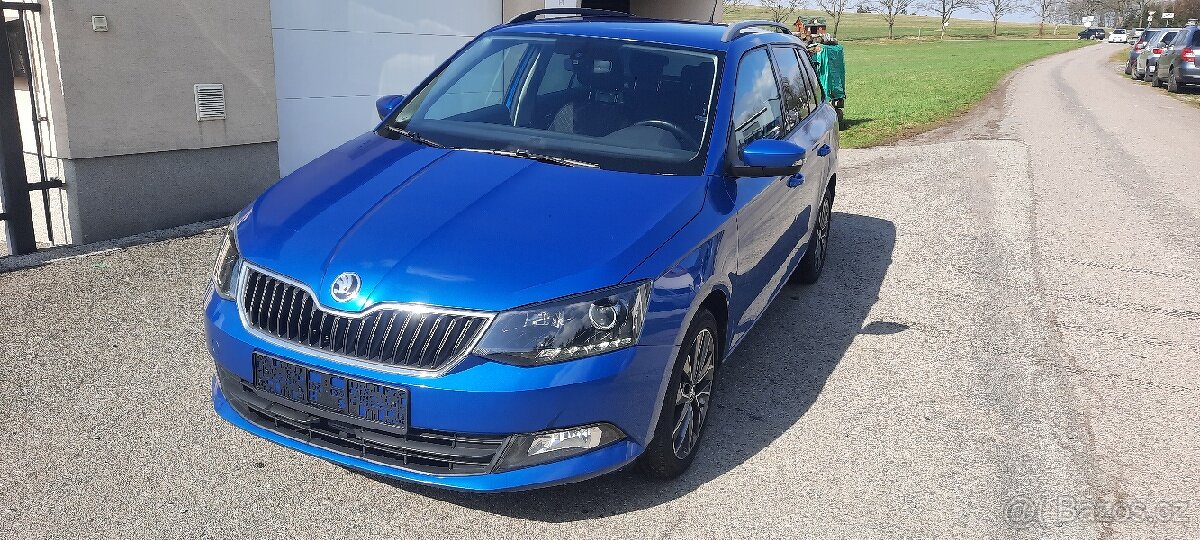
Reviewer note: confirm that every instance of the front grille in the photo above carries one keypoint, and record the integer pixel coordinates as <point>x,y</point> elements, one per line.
<point>424,451</point>
<point>416,339</point>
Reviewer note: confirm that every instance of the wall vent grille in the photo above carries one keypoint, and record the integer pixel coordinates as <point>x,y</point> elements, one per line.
<point>210,102</point>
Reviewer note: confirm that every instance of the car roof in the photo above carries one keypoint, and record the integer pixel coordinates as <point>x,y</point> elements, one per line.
<point>697,35</point>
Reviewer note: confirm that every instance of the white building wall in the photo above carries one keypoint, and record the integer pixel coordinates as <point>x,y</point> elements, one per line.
<point>333,59</point>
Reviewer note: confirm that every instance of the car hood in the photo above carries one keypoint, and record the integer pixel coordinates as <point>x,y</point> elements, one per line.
<point>458,228</point>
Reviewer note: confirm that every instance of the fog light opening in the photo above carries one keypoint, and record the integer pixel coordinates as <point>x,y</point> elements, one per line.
<point>543,447</point>
<point>582,438</point>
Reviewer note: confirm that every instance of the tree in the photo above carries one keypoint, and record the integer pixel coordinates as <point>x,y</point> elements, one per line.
<point>1045,10</point>
<point>833,8</point>
<point>889,10</point>
<point>946,8</point>
<point>999,8</point>
<point>781,11</point>
<point>732,7</point>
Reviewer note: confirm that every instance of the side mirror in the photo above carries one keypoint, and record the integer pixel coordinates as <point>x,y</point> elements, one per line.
<point>386,104</point>
<point>769,157</point>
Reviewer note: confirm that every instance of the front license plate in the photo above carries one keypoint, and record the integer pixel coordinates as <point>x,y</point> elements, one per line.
<point>327,391</point>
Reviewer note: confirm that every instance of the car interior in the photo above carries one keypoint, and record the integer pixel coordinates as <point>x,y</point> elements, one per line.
<point>625,95</point>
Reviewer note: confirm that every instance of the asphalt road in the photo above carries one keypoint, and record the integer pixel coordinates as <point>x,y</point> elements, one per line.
<point>1004,344</point>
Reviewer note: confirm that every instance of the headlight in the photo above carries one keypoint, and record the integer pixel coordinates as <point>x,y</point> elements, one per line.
<point>577,326</point>
<point>228,262</point>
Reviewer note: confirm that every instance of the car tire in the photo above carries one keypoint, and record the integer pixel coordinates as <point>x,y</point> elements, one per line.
<point>809,269</point>
<point>1172,82</point>
<point>841,118</point>
<point>687,403</point>
<point>1129,68</point>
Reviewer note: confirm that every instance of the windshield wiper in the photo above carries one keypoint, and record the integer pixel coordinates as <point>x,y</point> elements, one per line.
<point>521,153</point>
<point>414,136</point>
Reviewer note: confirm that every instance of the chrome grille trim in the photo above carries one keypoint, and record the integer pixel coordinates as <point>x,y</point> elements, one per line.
<point>275,308</point>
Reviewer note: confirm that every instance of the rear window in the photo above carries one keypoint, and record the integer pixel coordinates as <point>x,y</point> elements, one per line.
<point>1168,37</point>
<point>1119,31</point>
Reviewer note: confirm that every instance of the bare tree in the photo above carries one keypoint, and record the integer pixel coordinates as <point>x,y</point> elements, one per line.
<point>733,6</point>
<point>946,8</point>
<point>1045,10</point>
<point>833,8</point>
<point>999,8</point>
<point>781,11</point>
<point>889,10</point>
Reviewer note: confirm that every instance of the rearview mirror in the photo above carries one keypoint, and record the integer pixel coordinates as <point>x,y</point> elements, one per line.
<point>386,104</point>
<point>769,157</point>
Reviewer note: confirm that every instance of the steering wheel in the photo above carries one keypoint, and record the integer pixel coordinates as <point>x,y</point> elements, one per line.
<point>687,140</point>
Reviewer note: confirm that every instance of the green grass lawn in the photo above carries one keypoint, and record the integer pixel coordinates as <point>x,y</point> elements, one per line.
<point>901,87</point>
<point>906,85</point>
<point>858,26</point>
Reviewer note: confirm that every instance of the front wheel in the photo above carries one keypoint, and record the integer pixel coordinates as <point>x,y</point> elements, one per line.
<point>686,405</point>
<point>809,269</point>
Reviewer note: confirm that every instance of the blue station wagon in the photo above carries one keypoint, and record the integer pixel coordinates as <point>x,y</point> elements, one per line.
<point>530,272</point>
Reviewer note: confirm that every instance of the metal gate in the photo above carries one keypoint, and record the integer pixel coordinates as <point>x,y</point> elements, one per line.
<point>29,195</point>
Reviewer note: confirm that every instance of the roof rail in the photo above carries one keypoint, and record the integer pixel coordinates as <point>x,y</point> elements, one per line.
<point>737,28</point>
<point>529,16</point>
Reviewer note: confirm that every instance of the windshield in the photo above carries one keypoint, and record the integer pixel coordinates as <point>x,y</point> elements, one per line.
<point>599,102</point>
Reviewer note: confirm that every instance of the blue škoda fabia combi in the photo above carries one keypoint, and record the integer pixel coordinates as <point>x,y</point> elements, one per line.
<point>530,272</point>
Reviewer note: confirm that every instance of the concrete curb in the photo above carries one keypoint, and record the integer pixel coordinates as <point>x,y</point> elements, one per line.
<point>20,262</point>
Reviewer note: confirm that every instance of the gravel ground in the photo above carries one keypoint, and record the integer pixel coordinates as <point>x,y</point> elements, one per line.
<point>1004,344</point>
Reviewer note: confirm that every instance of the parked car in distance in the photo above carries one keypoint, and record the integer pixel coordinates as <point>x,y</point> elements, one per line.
<point>1118,36</point>
<point>1136,69</point>
<point>1092,33</point>
<point>1177,64</point>
<point>1147,61</point>
<point>1138,46</point>
<point>533,268</point>
<point>1137,32</point>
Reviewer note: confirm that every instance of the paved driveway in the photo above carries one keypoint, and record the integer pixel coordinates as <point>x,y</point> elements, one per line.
<point>1004,344</point>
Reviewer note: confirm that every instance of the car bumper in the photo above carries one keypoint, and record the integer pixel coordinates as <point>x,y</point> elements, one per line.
<point>476,398</point>
<point>1188,73</point>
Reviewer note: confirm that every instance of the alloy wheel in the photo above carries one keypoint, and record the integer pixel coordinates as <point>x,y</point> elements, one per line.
<point>695,394</point>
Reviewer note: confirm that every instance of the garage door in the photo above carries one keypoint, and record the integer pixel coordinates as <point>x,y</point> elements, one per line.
<point>333,59</point>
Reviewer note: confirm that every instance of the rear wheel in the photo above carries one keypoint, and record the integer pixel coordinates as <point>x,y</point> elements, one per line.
<point>686,405</point>
<point>1172,82</point>
<point>809,269</point>
<point>1129,68</point>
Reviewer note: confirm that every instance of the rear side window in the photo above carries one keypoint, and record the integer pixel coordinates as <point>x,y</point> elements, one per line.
<point>557,77</point>
<point>814,84</point>
<point>756,103</point>
<point>797,97</point>
<point>1195,38</point>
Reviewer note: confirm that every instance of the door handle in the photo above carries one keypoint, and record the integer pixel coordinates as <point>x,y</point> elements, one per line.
<point>796,179</point>
<point>824,150</point>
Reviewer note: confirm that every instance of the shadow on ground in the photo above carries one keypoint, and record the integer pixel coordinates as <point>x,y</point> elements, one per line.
<point>851,122</point>
<point>774,378</point>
